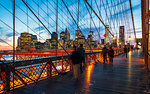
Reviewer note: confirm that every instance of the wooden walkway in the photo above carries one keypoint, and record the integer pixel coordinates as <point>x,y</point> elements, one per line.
<point>124,76</point>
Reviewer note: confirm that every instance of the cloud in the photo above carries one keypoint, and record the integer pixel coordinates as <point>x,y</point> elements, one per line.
<point>136,7</point>
<point>3,30</point>
<point>6,35</point>
<point>1,41</point>
<point>39,28</point>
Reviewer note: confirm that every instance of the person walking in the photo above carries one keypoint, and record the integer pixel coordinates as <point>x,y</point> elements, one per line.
<point>76,60</point>
<point>82,51</point>
<point>111,54</point>
<point>125,50</point>
<point>104,52</point>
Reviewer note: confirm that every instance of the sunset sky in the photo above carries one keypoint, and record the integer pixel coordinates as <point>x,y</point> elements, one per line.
<point>26,21</point>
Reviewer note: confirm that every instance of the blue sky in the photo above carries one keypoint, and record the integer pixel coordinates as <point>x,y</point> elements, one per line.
<point>47,14</point>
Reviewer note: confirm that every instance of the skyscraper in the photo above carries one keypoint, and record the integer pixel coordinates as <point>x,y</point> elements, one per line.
<point>65,38</point>
<point>79,39</point>
<point>78,34</point>
<point>121,35</point>
<point>107,38</point>
<point>67,35</point>
<point>54,37</point>
<point>62,36</point>
<point>26,41</point>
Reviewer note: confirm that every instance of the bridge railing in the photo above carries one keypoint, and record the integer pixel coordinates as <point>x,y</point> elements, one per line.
<point>33,70</point>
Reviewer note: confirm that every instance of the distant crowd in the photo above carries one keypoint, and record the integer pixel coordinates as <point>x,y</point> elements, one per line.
<point>78,58</point>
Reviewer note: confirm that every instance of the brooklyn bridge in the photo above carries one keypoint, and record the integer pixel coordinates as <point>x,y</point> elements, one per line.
<point>38,37</point>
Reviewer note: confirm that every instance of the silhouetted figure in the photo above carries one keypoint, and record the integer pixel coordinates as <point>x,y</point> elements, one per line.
<point>82,51</point>
<point>128,49</point>
<point>104,52</point>
<point>125,50</point>
<point>76,60</point>
<point>111,54</point>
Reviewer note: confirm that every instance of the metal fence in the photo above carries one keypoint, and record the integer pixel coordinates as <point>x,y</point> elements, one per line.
<point>29,71</point>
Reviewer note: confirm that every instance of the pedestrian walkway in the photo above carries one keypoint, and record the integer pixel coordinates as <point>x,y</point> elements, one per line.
<point>124,76</point>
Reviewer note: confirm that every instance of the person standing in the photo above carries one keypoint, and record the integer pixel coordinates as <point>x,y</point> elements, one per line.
<point>104,52</point>
<point>125,50</point>
<point>128,48</point>
<point>111,54</point>
<point>76,60</point>
<point>82,51</point>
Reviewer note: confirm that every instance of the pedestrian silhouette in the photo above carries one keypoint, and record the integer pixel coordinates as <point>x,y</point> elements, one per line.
<point>125,50</point>
<point>104,52</point>
<point>82,51</point>
<point>111,54</point>
<point>76,60</point>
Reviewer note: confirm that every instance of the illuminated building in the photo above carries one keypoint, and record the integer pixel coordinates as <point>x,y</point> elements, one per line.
<point>114,42</point>
<point>53,41</point>
<point>78,34</point>
<point>121,35</point>
<point>33,41</point>
<point>90,40</point>
<point>67,35</point>
<point>107,38</point>
<point>79,39</point>
<point>26,41</point>
<point>40,45</point>
<point>47,44</point>
<point>62,36</point>
<point>65,39</point>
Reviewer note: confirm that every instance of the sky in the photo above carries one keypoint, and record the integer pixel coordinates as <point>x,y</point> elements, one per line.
<point>114,13</point>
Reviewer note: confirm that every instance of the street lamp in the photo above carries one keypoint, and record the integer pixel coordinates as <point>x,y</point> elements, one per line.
<point>129,39</point>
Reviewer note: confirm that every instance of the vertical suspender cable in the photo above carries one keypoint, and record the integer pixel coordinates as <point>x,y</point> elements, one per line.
<point>90,23</point>
<point>99,17</point>
<point>78,13</point>
<point>133,21</point>
<point>56,27</point>
<point>13,39</point>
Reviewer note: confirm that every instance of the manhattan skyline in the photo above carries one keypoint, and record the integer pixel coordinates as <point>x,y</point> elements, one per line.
<point>24,16</point>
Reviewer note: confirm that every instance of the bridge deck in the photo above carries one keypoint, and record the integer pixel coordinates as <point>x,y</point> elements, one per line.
<point>125,75</point>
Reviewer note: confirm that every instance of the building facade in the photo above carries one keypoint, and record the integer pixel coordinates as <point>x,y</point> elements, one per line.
<point>121,36</point>
<point>107,38</point>
<point>53,42</point>
<point>26,41</point>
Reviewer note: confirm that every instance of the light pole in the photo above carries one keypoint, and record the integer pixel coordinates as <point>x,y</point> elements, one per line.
<point>129,39</point>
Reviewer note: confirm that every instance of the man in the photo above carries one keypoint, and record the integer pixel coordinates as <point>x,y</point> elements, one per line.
<point>104,52</point>
<point>82,51</point>
<point>76,60</point>
<point>125,50</point>
<point>111,54</point>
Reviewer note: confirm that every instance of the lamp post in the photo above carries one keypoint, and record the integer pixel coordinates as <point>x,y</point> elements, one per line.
<point>129,38</point>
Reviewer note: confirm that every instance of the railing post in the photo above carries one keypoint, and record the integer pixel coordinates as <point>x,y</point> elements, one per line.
<point>70,64</point>
<point>49,69</point>
<point>0,57</point>
<point>5,74</point>
<point>62,63</point>
<point>17,57</point>
<point>94,58</point>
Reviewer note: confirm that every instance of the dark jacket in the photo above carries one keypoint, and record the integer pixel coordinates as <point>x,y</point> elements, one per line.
<point>125,50</point>
<point>82,51</point>
<point>111,53</point>
<point>76,57</point>
<point>104,51</point>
